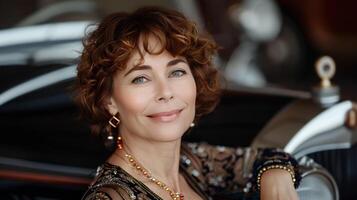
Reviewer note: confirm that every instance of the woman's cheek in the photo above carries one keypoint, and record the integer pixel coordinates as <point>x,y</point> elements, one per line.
<point>191,90</point>
<point>136,100</point>
<point>130,99</point>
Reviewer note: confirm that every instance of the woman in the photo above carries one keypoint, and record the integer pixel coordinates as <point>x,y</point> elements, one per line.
<point>144,79</point>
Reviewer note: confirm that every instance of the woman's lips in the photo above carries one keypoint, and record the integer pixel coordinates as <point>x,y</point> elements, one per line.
<point>166,116</point>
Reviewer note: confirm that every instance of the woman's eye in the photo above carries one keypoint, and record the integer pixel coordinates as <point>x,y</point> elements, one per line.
<point>177,73</point>
<point>139,80</point>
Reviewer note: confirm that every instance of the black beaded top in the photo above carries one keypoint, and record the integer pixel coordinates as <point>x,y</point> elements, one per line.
<point>214,172</point>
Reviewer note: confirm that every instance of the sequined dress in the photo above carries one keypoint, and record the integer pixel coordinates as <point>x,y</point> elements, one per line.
<point>214,172</point>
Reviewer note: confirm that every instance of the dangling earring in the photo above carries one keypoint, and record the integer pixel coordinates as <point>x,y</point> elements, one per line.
<point>110,141</point>
<point>114,121</point>
<point>111,133</point>
<point>192,124</point>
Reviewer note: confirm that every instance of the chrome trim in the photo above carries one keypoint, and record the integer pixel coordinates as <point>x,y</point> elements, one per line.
<point>323,147</point>
<point>32,165</point>
<point>328,119</point>
<point>38,83</point>
<point>60,8</point>
<point>43,33</point>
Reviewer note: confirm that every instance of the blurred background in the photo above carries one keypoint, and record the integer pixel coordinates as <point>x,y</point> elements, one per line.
<point>274,42</point>
<point>267,58</point>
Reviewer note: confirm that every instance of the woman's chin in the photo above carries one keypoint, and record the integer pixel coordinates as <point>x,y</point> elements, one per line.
<point>166,135</point>
<point>167,132</point>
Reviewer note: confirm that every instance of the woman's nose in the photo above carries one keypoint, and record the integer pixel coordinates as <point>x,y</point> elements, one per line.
<point>164,91</point>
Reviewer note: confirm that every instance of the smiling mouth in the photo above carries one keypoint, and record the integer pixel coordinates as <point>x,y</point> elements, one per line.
<point>166,116</point>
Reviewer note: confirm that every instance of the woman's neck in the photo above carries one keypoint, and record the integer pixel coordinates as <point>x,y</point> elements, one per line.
<point>160,159</point>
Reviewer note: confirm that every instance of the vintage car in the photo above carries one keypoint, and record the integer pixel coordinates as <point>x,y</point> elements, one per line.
<point>46,152</point>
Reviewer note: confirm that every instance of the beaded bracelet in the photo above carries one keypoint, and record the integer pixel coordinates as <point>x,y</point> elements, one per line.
<point>288,168</point>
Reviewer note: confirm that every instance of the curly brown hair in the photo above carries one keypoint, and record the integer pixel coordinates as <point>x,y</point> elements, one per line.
<point>110,45</point>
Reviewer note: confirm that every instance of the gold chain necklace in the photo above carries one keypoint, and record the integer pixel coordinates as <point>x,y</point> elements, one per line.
<point>174,195</point>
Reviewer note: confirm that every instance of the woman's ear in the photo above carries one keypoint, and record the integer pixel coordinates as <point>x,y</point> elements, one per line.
<point>111,106</point>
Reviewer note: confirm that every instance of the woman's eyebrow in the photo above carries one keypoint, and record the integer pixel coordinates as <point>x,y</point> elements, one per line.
<point>175,61</point>
<point>138,67</point>
<point>148,67</point>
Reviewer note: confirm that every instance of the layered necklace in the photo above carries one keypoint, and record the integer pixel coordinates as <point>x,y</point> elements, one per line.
<point>174,195</point>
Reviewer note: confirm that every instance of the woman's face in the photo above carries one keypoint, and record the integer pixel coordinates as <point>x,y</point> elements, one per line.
<point>155,97</point>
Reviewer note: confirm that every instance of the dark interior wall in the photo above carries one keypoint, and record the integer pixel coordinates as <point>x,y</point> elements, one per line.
<point>13,11</point>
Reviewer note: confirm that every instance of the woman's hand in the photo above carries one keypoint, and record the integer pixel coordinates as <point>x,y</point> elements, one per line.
<point>276,184</point>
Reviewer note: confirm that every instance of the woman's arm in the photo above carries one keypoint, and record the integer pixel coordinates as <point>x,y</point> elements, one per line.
<point>277,184</point>
<point>236,169</point>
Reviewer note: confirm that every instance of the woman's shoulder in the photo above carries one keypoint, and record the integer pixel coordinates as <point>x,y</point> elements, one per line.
<point>212,166</point>
<point>204,151</point>
<point>113,183</point>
